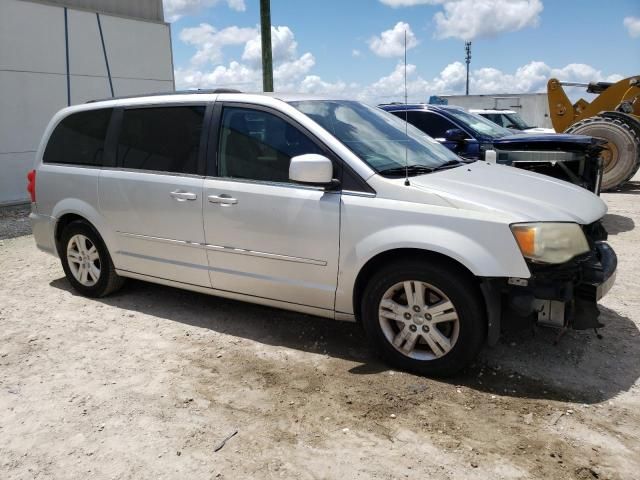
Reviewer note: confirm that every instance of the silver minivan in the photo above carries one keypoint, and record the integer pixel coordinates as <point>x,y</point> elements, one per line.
<point>323,206</point>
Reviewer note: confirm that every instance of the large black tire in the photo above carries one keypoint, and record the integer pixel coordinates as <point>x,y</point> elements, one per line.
<point>622,152</point>
<point>457,286</point>
<point>108,280</point>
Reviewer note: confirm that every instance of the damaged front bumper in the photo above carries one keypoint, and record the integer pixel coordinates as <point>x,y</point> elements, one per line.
<point>561,296</point>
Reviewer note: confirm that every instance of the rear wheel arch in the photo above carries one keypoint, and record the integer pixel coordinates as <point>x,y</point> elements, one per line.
<point>67,219</point>
<point>388,257</point>
<point>72,231</point>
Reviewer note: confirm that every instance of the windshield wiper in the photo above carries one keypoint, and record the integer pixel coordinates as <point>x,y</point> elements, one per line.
<point>410,170</point>
<point>451,164</point>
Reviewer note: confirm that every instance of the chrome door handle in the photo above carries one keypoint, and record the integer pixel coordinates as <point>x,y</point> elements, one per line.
<point>182,196</point>
<point>222,199</point>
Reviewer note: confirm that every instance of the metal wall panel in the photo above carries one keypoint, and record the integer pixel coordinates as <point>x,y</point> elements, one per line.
<point>31,37</point>
<point>137,49</point>
<point>85,49</point>
<point>33,73</point>
<point>142,9</point>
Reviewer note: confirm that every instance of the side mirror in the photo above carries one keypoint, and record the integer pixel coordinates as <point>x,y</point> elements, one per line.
<point>311,169</point>
<point>455,135</point>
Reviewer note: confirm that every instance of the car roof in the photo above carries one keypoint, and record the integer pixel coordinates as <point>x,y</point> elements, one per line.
<point>192,97</point>
<point>207,95</point>
<point>394,107</point>
<point>491,110</point>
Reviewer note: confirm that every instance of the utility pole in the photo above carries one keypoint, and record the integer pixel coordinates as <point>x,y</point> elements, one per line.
<point>467,59</point>
<point>267,60</point>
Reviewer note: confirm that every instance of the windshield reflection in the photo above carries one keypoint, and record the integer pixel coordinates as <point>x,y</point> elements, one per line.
<point>379,138</point>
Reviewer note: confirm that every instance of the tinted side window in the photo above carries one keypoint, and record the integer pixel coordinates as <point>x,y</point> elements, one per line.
<point>165,139</point>
<point>432,124</point>
<point>258,145</point>
<point>79,139</point>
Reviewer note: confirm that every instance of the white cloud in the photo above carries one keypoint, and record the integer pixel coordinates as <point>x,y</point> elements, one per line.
<point>174,9</point>
<point>528,78</point>
<point>210,42</point>
<point>533,77</point>
<point>315,84</point>
<point>234,75</point>
<point>471,19</point>
<point>287,73</point>
<point>283,46</point>
<point>390,43</point>
<point>632,24</point>
<point>355,52</point>
<point>297,75</point>
<point>289,68</point>
<point>294,72</point>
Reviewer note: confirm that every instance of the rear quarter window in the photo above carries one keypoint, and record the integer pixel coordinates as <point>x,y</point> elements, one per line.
<point>79,139</point>
<point>162,139</point>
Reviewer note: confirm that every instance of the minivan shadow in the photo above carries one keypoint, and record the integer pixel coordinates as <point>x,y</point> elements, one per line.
<point>629,188</point>
<point>579,368</point>
<point>615,224</point>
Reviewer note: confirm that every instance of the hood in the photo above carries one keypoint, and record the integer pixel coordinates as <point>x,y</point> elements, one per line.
<point>522,195</point>
<point>532,141</point>
<point>540,130</point>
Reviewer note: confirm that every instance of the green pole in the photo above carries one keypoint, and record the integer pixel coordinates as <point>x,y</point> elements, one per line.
<point>267,61</point>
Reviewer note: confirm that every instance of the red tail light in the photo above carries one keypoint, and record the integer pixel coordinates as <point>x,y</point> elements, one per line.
<point>31,184</point>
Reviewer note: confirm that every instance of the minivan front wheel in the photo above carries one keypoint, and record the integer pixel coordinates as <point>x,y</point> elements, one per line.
<point>86,261</point>
<point>424,317</point>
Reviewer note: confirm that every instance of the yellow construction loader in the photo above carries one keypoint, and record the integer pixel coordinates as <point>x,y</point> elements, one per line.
<point>614,116</point>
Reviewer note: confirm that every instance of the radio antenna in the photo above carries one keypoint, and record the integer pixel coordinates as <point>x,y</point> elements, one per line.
<point>406,117</point>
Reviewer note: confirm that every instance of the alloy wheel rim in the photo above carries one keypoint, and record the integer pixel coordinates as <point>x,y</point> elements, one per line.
<point>84,260</point>
<point>419,320</point>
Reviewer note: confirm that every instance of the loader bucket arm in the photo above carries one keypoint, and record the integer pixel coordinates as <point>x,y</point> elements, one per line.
<point>560,107</point>
<point>623,95</point>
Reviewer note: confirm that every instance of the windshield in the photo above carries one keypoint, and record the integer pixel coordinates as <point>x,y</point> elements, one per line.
<point>478,123</point>
<point>376,136</point>
<point>516,120</point>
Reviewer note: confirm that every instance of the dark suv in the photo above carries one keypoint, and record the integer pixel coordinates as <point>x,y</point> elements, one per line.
<point>574,158</point>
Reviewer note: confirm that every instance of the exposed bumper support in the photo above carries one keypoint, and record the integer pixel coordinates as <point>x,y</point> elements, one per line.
<point>558,296</point>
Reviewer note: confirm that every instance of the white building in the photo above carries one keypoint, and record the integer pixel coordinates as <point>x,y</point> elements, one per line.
<point>532,107</point>
<point>63,52</point>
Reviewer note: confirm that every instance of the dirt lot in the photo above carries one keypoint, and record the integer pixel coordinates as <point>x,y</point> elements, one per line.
<point>148,382</point>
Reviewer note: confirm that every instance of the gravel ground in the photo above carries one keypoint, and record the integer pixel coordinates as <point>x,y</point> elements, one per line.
<point>14,221</point>
<point>148,382</point>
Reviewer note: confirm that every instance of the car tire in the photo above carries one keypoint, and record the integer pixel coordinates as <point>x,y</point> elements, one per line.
<point>86,261</point>
<point>438,332</point>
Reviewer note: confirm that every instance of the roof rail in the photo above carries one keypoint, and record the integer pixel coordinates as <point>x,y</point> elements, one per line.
<point>176,92</point>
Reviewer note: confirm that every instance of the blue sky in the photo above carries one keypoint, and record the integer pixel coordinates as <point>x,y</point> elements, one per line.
<point>354,47</point>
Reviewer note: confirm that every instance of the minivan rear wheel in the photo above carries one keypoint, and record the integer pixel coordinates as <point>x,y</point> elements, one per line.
<point>86,261</point>
<point>424,317</point>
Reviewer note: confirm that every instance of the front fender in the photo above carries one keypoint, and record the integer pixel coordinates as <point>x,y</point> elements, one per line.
<point>486,248</point>
<point>480,259</point>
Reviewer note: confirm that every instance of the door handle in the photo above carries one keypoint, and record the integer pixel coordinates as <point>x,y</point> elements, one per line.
<point>182,196</point>
<point>222,199</point>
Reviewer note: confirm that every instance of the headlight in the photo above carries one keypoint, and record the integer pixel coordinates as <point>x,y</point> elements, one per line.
<point>550,242</point>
